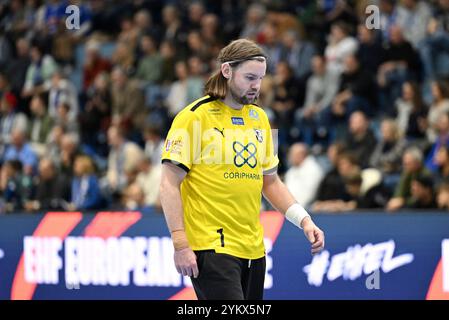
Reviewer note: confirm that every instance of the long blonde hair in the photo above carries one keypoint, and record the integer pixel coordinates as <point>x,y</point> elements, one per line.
<point>235,53</point>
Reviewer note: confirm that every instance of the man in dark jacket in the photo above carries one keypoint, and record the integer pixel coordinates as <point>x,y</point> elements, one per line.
<point>52,189</point>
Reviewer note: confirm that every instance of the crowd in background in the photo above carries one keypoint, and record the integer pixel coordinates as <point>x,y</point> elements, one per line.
<point>362,114</point>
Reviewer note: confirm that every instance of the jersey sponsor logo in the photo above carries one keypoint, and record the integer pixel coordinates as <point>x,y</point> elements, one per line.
<point>253,114</point>
<point>174,146</point>
<point>242,175</point>
<point>238,121</point>
<point>245,154</point>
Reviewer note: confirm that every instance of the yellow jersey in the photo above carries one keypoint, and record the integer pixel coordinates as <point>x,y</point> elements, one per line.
<point>225,153</point>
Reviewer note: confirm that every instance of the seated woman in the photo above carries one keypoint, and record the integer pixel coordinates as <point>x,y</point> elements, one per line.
<point>85,187</point>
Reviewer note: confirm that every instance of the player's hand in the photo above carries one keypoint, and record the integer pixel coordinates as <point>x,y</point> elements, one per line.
<point>313,234</point>
<point>185,262</point>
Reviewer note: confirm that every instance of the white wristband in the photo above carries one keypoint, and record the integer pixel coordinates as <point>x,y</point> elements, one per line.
<point>295,214</point>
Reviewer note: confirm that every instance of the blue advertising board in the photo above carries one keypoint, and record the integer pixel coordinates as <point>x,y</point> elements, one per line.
<point>128,255</point>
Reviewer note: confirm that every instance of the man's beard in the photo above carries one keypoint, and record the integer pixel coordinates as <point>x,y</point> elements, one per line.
<point>241,99</point>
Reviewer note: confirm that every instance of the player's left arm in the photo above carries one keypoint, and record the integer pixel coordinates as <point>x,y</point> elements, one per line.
<point>275,191</point>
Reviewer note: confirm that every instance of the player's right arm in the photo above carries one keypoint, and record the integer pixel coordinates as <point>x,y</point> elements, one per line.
<point>170,194</point>
<point>176,162</point>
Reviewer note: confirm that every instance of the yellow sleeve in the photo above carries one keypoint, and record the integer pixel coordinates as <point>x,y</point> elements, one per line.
<point>180,145</point>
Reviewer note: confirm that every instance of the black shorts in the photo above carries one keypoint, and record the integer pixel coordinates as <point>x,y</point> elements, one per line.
<point>225,277</point>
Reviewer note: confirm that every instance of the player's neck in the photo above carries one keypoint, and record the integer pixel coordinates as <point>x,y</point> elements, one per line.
<point>230,102</point>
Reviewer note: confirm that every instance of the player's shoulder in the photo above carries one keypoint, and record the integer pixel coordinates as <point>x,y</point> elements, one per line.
<point>195,109</point>
<point>198,105</point>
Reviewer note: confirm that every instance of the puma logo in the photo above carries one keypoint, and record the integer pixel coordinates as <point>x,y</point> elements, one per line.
<point>221,131</point>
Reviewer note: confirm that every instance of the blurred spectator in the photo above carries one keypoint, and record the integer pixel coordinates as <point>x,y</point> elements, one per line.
<point>86,193</point>
<point>21,150</point>
<point>388,17</point>
<point>96,117</point>
<point>123,156</point>
<point>69,150</point>
<point>442,140</point>
<point>271,44</point>
<point>298,53</point>
<point>128,36</point>
<point>304,175</point>
<point>286,100</point>
<point>439,106</point>
<point>16,69</point>
<point>197,46</point>
<point>413,17</point>
<point>434,49</point>
<point>52,189</point>
<point>133,198</point>
<point>149,68</point>
<point>14,22</point>
<point>5,51</point>
<point>39,72</point>
<point>422,195</point>
<point>332,187</point>
<point>143,22</point>
<point>441,15</point>
<point>443,196</point>
<point>63,118</point>
<point>168,53</point>
<point>62,90</point>
<point>123,57</point>
<point>355,93</point>
<point>10,118</point>
<point>54,142</point>
<point>54,14</point>
<point>412,162</point>
<point>185,89</point>
<point>357,88</point>
<point>255,17</point>
<point>340,45</point>
<point>342,10</point>
<point>346,166</point>
<point>154,144</point>
<point>174,30</point>
<point>370,51</point>
<point>400,63</point>
<point>4,83</point>
<point>196,11</point>
<point>412,113</point>
<point>40,126</point>
<point>16,187</point>
<point>388,152</point>
<point>148,179</point>
<point>94,64</point>
<point>127,101</point>
<point>441,161</point>
<point>374,197</point>
<point>360,138</point>
<point>211,33</point>
<point>321,88</point>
